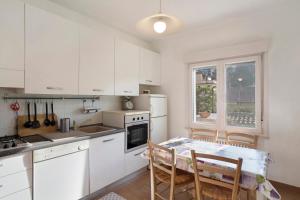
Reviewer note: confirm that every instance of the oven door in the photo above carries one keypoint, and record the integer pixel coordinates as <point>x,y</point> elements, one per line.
<point>137,135</point>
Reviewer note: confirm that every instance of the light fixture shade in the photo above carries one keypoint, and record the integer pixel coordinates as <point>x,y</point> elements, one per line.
<point>146,25</point>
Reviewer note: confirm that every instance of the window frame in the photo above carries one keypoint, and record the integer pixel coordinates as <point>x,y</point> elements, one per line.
<point>221,124</point>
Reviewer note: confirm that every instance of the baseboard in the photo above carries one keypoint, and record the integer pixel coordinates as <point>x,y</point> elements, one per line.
<point>284,184</point>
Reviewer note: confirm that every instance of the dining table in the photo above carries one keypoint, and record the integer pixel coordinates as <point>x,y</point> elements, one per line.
<point>254,168</point>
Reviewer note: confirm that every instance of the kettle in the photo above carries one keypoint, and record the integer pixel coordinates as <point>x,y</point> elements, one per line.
<point>65,124</point>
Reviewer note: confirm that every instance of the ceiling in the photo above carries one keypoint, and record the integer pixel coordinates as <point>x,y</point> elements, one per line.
<point>124,14</point>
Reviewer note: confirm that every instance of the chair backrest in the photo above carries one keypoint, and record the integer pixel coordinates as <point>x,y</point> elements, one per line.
<point>199,167</point>
<point>162,158</point>
<point>204,135</point>
<point>241,139</point>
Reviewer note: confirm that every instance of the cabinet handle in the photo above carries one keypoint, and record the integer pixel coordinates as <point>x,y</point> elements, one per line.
<point>1,186</point>
<point>97,90</point>
<point>149,81</point>
<point>126,91</point>
<point>108,140</point>
<point>53,88</point>
<point>1,164</point>
<point>137,154</point>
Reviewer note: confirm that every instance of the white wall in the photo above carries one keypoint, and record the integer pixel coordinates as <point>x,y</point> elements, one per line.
<point>280,25</point>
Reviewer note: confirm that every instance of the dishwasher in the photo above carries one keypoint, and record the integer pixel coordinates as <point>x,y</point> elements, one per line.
<point>61,172</point>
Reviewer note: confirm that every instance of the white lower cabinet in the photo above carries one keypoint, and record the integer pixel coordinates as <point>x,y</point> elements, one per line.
<point>24,195</point>
<point>16,176</point>
<point>134,161</point>
<point>106,160</point>
<point>15,182</point>
<point>16,163</point>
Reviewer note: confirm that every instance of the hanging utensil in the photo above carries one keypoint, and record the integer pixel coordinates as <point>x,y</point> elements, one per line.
<point>53,122</point>
<point>35,123</point>
<point>28,123</point>
<point>47,122</point>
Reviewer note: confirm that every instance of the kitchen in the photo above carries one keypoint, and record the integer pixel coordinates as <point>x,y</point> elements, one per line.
<point>43,102</point>
<point>82,98</point>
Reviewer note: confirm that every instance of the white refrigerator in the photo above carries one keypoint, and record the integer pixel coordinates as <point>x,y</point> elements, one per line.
<point>157,105</point>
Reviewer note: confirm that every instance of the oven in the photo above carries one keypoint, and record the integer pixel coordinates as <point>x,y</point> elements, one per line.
<point>137,131</point>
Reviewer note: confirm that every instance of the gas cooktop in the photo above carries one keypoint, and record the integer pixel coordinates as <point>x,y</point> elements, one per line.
<point>13,142</point>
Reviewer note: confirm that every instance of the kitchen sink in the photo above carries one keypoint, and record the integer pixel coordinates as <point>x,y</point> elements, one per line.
<point>95,129</point>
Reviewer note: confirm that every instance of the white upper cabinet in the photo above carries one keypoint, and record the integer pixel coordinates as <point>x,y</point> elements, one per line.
<point>126,69</point>
<point>52,53</point>
<point>11,43</point>
<point>96,65</point>
<point>149,67</point>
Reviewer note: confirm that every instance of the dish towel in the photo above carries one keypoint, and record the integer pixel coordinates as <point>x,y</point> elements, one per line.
<point>267,189</point>
<point>112,196</point>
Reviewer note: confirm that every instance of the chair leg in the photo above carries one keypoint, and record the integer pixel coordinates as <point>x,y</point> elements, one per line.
<point>248,194</point>
<point>153,185</point>
<point>172,188</point>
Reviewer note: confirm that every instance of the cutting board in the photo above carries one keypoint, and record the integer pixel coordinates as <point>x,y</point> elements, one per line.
<point>22,131</point>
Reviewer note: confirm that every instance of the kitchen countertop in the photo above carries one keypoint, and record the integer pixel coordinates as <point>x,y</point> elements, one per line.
<point>61,138</point>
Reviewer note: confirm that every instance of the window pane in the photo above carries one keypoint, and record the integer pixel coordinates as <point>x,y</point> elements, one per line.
<point>205,106</point>
<point>240,94</point>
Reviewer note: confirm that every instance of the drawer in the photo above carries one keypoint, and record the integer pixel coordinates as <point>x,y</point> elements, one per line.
<point>112,137</point>
<point>15,163</point>
<point>134,161</point>
<point>24,195</point>
<point>15,182</point>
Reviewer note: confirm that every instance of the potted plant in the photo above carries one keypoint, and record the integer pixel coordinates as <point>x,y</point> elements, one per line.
<point>205,100</point>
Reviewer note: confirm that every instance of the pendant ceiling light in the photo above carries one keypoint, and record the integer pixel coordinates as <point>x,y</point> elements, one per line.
<point>159,24</point>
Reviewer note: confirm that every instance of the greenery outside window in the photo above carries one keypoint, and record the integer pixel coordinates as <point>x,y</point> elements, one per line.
<point>226,95</point>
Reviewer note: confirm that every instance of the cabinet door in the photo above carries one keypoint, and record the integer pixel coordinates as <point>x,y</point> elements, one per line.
<point>96,66</point>
<point>51,53</point>
<point>127,69</point>
<point>106,160</point>
<point>11,44</point>
<point>149,67</point>
<point>158,129</point>
<point>12,34</point>
<point>134,161</point>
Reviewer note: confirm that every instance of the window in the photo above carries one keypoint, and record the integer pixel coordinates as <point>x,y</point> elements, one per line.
<point>226,95</point>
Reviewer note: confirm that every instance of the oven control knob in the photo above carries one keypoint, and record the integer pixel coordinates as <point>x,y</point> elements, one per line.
<point>142,117</point>
<point>133,119</point>
<point>138,118</point>
<point>5,146</point>
<point>13,144</point>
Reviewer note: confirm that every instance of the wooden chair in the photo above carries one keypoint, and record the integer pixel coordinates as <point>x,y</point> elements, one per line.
<point>163,170</point>
<point>213,188</point>
<point>241,139</point>
<point>204,135</point>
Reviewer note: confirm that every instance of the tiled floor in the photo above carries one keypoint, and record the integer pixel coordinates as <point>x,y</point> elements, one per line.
<point>138,188</point>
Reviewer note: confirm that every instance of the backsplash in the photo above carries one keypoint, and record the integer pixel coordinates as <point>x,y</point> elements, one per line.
<point>62,108</point>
